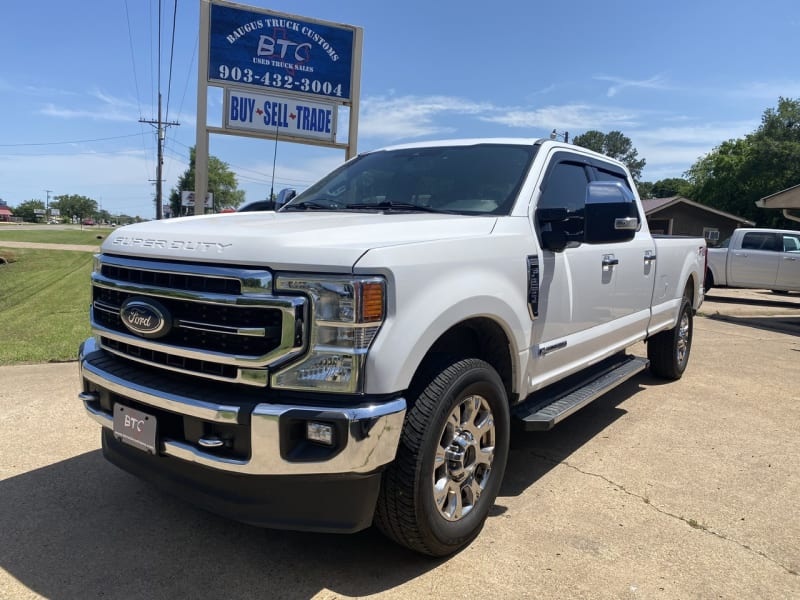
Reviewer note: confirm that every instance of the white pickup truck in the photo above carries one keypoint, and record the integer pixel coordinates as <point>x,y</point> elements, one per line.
<point>360,354</point>
<point>756,258</point>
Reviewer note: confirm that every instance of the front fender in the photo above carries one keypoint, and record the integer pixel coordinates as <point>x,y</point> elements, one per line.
<point>435,286</point>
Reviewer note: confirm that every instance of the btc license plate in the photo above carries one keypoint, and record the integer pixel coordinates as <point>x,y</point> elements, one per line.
<point>135,428</point>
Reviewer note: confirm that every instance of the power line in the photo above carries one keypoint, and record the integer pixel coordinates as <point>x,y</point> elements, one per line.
<point>171,54</point>
<point>116,137</point>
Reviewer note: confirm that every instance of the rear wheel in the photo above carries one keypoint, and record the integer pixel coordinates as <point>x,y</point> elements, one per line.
<point>436,495</point>
<point>708,283</point>
<point>668,351</point>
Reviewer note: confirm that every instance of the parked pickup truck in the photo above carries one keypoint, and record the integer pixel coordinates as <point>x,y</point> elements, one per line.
<point>756,258</point>
<point>360,354</point>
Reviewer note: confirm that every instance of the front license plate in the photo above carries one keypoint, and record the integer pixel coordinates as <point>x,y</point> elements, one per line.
<point>135,428</point>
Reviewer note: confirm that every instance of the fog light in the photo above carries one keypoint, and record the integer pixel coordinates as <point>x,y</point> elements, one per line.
<point>319,432</point>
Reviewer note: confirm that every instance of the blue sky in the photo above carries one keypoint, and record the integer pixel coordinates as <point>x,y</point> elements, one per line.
<point>677,77</point>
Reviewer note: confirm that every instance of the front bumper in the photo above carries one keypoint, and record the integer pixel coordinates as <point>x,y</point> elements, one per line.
<point>367,434</point>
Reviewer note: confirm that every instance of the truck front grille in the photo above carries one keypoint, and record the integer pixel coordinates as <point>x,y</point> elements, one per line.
<point>226,324</point>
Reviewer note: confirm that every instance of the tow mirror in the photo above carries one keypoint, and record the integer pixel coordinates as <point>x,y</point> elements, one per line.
<point>284,196</point>
<point>611,213</point>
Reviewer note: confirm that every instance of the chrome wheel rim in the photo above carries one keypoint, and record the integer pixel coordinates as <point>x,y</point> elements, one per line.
<point>464,455</point>
<point>683,338</point>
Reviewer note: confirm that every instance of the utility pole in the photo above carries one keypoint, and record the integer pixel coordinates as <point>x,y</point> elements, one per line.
<point>161,127</point>
<point>47,203</point>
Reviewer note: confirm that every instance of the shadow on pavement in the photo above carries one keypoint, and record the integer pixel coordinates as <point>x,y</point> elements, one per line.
<point>766,299</point>
<point>534,454</point>
<point>81,528</point>
<point>779,323</point>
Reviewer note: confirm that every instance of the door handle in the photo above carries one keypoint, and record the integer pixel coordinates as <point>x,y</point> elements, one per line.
<point>609,260</point>
<point>789,258</point>
<point>649,256</point>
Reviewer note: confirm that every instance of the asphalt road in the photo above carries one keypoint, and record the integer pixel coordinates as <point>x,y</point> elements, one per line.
<point>658,490</point>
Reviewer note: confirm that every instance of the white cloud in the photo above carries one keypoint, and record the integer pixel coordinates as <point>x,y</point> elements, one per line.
<point>656,82</point>
<point>402,117</point>
<point>109,108</point>
<point>575,117</point>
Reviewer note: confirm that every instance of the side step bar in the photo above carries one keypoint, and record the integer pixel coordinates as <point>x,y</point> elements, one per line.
<point>543,409</point>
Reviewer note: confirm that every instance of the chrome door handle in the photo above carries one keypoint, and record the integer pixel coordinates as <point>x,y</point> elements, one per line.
<point>649,256</point>
<point>609,260</point>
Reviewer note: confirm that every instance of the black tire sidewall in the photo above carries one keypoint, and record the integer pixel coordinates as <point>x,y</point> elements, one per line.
<point>484,381</point>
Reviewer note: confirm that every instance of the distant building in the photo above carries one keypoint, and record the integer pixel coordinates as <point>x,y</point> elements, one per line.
<point>680,216</point>
<point>5,212</point>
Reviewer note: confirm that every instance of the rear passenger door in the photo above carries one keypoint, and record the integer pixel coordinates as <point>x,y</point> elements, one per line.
<point>634,270</point>
<point>755,264</point>
<point>789,267</point>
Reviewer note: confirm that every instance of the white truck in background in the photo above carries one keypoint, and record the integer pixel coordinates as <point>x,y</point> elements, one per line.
<point>756,258</point>
<point>359,355</point>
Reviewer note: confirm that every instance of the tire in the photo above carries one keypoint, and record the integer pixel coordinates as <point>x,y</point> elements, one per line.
<point>436,495</point>
<point>668,351</point>
<point>708,283</point>
<point>780,292</point>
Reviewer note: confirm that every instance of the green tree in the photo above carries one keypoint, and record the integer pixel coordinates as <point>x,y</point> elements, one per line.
<point>26,210</point>
<point>75,205</point>
<point>615,145</point>
<point>645,189</point>
<point>221,182</point>
<point>740,171</point>
<point>672,186</point>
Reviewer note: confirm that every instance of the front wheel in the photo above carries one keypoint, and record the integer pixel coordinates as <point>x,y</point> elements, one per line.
<point>437,493</point>
<point>668,351</point>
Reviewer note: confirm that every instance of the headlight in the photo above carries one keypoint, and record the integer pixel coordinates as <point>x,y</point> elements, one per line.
<point>346,314</point>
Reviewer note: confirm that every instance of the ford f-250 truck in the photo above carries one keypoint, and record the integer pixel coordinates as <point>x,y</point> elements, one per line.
<point>756,258</point>
<point>360,354</point>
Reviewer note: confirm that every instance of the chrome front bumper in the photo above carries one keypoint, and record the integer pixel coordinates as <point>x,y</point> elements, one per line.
<point>372,431</point>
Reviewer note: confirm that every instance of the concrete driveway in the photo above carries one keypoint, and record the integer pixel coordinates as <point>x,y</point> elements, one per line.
<point>658,490</point>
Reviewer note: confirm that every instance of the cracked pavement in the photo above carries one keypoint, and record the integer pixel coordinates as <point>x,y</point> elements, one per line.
<point>688,489</point>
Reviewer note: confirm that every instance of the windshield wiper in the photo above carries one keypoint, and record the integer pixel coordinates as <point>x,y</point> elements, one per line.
<point>309,205</point>
<point>388,205</point>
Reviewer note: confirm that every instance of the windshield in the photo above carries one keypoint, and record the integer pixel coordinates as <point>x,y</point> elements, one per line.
<point>470,180</point>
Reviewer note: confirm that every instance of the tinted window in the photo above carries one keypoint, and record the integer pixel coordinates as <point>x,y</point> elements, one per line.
<point>477,179</point>
<point>565,187</point>
<point>758,240</point>
<point>608,175</point>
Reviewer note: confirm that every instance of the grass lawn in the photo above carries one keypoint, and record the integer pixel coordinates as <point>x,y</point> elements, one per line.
<point>44,300</point>
<point>55,236</point>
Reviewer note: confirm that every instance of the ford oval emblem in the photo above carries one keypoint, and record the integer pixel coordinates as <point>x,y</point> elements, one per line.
<point>146,317</point>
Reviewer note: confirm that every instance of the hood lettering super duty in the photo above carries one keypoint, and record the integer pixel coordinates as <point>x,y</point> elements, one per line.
<point>144,242</point>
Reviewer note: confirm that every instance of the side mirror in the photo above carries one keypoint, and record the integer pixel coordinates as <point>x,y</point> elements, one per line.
<point>560,229</point>
<point>284,196</point>
<point>611,213</point>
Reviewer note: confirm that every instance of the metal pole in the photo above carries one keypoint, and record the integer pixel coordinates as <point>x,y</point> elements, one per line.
<point>201,143</point>
<point>159,166</point>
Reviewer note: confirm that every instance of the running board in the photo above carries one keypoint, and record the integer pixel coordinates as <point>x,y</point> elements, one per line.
<point>543,409</point>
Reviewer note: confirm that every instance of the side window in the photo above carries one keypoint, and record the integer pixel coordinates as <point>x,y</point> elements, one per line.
<point>565,187</point>
<point>761,240</point>
<point>609,175</point>
<point>791,243</point>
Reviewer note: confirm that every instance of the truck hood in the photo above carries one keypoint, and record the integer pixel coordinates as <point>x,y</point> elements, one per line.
<point>288,240</point>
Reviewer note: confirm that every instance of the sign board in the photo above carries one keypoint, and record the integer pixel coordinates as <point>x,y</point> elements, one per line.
<point>38,211</point>
<point>187,198</point>
<point>271,114</point>
<point>55,212</point>
<point>267,49</point>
